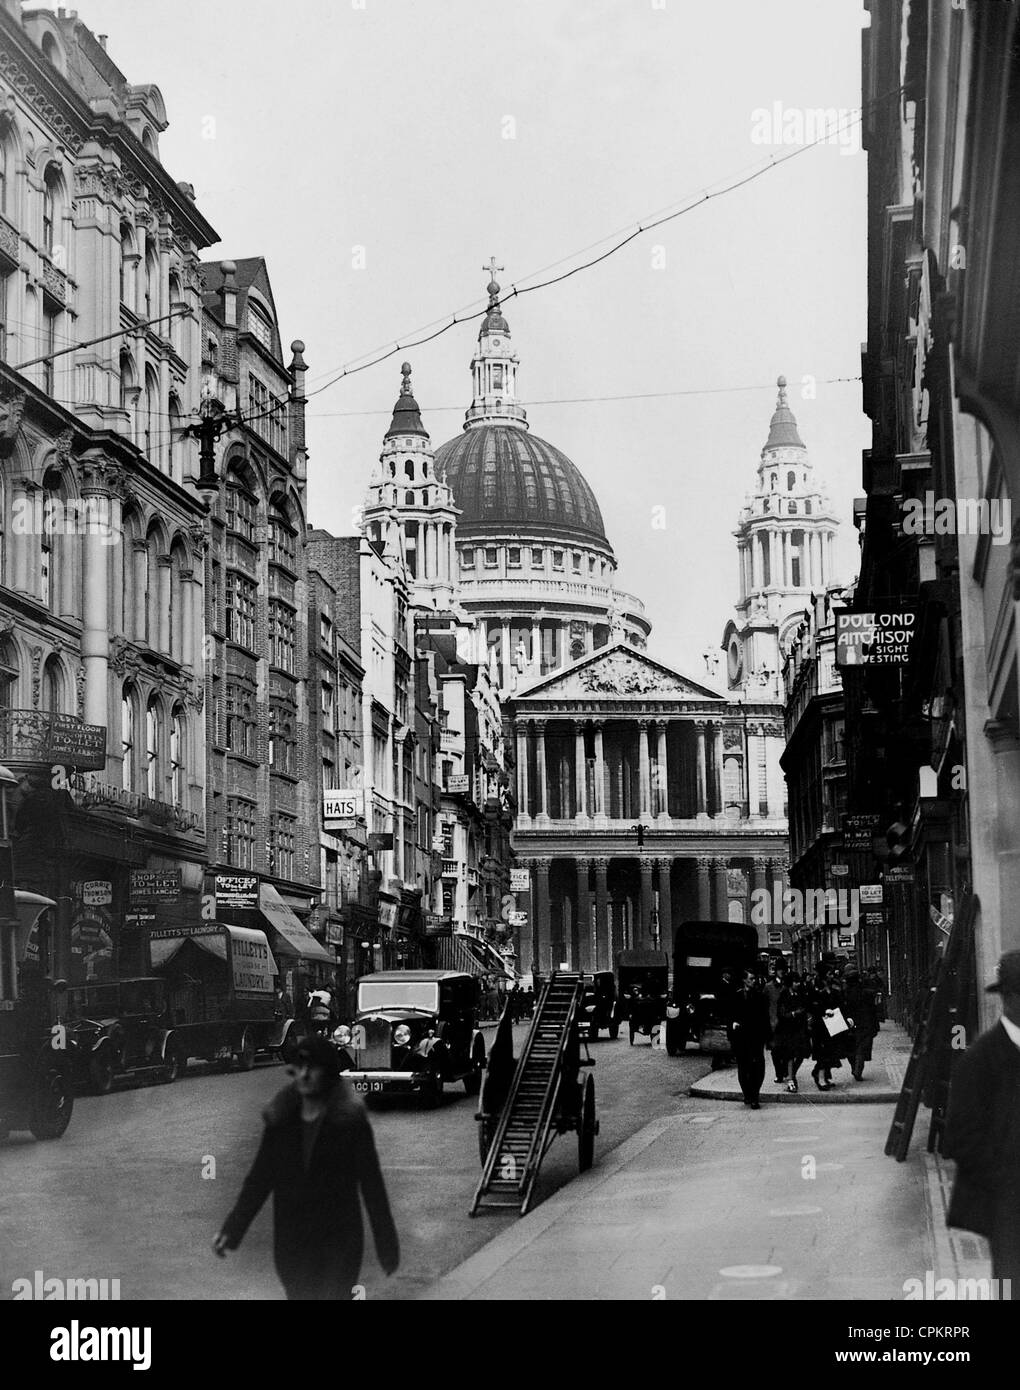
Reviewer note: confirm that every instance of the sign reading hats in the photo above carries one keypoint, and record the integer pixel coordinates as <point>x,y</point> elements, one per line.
<point>341,809</point>
<point>875,638</point>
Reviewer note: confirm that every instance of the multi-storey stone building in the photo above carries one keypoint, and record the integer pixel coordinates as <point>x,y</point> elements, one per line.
<point>101,577</point>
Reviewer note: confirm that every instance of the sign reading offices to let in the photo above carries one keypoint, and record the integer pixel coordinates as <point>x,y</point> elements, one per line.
<point>237,891</point>
<point>458,782</point>
<point>882,638</point>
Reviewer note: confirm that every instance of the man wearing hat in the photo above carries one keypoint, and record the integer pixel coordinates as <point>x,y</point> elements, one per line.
<point>983,1134</point>
<point>318,1159</point>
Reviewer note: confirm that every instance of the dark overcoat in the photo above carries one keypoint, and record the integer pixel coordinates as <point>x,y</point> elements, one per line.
<point>749,1029</point>
<point>982,1132</point>
<point>318,1237</point>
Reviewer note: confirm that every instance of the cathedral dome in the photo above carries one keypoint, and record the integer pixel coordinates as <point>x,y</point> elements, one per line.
<point>505,480</point>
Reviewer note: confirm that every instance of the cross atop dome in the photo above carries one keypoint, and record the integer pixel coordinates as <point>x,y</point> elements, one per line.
<point>493,286</point>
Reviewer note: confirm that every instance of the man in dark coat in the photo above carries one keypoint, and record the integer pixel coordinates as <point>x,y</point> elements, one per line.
<point>317,1158</point>
<point>749,1032</point>
<point>862,1016</point>
<point>982,1134</point>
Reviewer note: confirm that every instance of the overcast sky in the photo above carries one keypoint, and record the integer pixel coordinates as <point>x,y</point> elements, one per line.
<point>313,127</point>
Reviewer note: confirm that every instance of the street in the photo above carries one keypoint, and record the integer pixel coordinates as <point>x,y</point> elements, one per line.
<point>123,1196</point>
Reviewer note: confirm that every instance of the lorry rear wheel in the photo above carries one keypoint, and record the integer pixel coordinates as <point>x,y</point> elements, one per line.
<point>102,1071</point>
<point>52,1103</point>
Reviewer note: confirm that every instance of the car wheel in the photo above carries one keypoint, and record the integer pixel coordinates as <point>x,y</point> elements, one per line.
<point>173,1065</point>
<point>246,1056</point>
<point>52,1104</point>
<point>473,1079</point>
<point>102,1070</point>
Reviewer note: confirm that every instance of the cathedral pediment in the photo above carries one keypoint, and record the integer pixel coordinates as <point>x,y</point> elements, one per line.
<point>615,673</point>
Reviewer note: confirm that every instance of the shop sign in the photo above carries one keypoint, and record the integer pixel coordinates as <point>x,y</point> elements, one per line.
<point>881,638</point>
<point>97,892</point>
<point>155,886</point>
<point>459,782</point>
<point>520,880</point>
<point>240,892</point>
<point>517,919</point>
<point>870,893</point>
<point>839,870</point>
<point>334,934</point>
<point>873,919</point>
<point>859,831</point>
<point>341,809</point>
<point>899,873</point>
<point>387,914</point>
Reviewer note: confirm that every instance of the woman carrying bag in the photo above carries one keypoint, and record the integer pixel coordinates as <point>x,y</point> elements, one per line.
<point>828,1032</point>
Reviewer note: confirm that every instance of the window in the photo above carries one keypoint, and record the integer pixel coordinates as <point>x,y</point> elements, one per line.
<point>491,557</point>
<point>282,539</point>
<point>328,707</point>
<point>282,627</point>
<point>152,732</point>
<point>467,559</point>
<point>242,721</point>
<point>50,346</point>
<point>282,755</point>
<point>240,833</point>
<point>127,264</point>
<point>177,745</point>
<point>5,168</point>
<point>557,557</point>
<point>409,469</point>
<point>150,410</point>
<point>52,686</point>
<point>513,557</point>
<point>591,564</point>
<point>577,561</point>
<point>791,479</point>
<point>266,414</point>
<point>3,315</point>
<point>260,325</point>
<point>325,631</point>
<point>537,557</point>
<point>242,513</point>
<point>51,208</point>
<point>127,740</point>
<point>241,599</point>
<point>281,845</point>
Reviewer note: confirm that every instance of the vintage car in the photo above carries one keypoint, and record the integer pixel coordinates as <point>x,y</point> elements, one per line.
<point>120,1026</point>
<point>644,984</point>
<point>414,1031</point>
<point>708,961</point>
<point>598,1005</point>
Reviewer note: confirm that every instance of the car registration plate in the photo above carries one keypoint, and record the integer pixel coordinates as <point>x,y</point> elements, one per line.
<point>368,1085</point>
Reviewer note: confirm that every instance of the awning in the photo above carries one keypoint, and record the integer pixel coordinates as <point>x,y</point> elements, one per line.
<point>164,948</point>
<point>292,937</point>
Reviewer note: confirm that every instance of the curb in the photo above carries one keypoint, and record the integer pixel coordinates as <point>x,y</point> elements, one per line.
<point>805,1097</point>
<point>462,1281</point>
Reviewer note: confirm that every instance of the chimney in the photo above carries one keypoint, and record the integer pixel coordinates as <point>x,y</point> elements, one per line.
<point>101,38</point>
<point>228,293</point>
<point>296,409</point>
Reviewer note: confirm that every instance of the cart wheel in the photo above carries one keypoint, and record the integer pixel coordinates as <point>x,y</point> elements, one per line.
<point>102,1072</point>
<point>246,1056</point>
<point>486,1134</point>
<point>586,1128</point>
<point>614,1029</point>
<point>52,1103</point>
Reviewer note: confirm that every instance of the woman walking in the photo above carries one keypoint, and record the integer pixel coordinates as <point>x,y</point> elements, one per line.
<point>825,1049</point>
<point>318,1159</point>
<point>793,1033</point>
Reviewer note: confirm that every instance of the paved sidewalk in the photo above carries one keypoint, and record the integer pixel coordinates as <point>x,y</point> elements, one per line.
<point>883,1078</point>
<point>719,1202</point>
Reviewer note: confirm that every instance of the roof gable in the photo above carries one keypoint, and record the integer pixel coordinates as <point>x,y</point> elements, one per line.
<point>617,672</point>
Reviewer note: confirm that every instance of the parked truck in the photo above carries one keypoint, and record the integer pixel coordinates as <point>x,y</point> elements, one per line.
<point>709,959</point>
<point>221,1000</point>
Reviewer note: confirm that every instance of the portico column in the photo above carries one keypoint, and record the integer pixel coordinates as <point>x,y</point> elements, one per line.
<point>603,930</point>
<point>163,616</point>
<point>702,772</point>
<point>536,645</point>
<point>787,560</point>
<point>645,778</point>
<point>22,505</point>
<point>759,874</point>
<point>543,939</point>
<point>586,946</point>
<point>662,785</point>
<point>542,803</point>
<point>523,790</point>
<point>664,867</point>
<point>704,889</point>
<point>773,558</point>
<point>647,903</point>
<point>141,564</point>
<point>580,772</point>
<point>721,890</point>
<point>717,769</point>
<point>600,771</point>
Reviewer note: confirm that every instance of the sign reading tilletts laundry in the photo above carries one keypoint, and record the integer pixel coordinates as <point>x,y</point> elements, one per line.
<point>879,638</point>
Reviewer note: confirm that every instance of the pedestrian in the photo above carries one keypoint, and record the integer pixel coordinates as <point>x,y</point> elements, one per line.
<point>793,1032</point>
<point>773,990</point>
<point>317,1155</point>
<point>825,1049</point>
<point>982,1134</point>
<point>749,1033</point>
<point>862,1017</point>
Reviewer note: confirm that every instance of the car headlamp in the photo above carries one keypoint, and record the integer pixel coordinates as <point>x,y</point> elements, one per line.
<point>342,1035</point>
<point>401,1035</point>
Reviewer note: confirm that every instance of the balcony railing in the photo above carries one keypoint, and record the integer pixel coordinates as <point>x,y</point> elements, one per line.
<point>35,736</point>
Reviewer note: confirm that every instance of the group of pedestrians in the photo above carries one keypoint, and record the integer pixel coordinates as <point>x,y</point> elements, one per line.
<point>830,1017</point>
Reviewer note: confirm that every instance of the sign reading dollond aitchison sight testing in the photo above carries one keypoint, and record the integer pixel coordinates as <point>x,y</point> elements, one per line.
<point>881,638</point>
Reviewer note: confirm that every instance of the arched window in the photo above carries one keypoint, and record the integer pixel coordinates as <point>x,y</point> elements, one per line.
<point>127,264</point>
<point>51,542</point>
<point>282,535</point>
<point>51,51</point>
<point>148,142</point>
<point>6,164</point>
<point>51,209</point>
<point>807,508</point>
<point>8,673</point>
<point>260,324</point>
<point>177,747</point>
<point>150,414</point>
<point>51,694</point>
<point>178,634</point>
<point>152,759</point>
<point>408,499</point>
<point>409,469</point>
<point>151,283</point>
<point>127,738</point>
<point>393,469</point>
<point>175,423</point>
<point>791,481</point>
<point>775,479</point>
